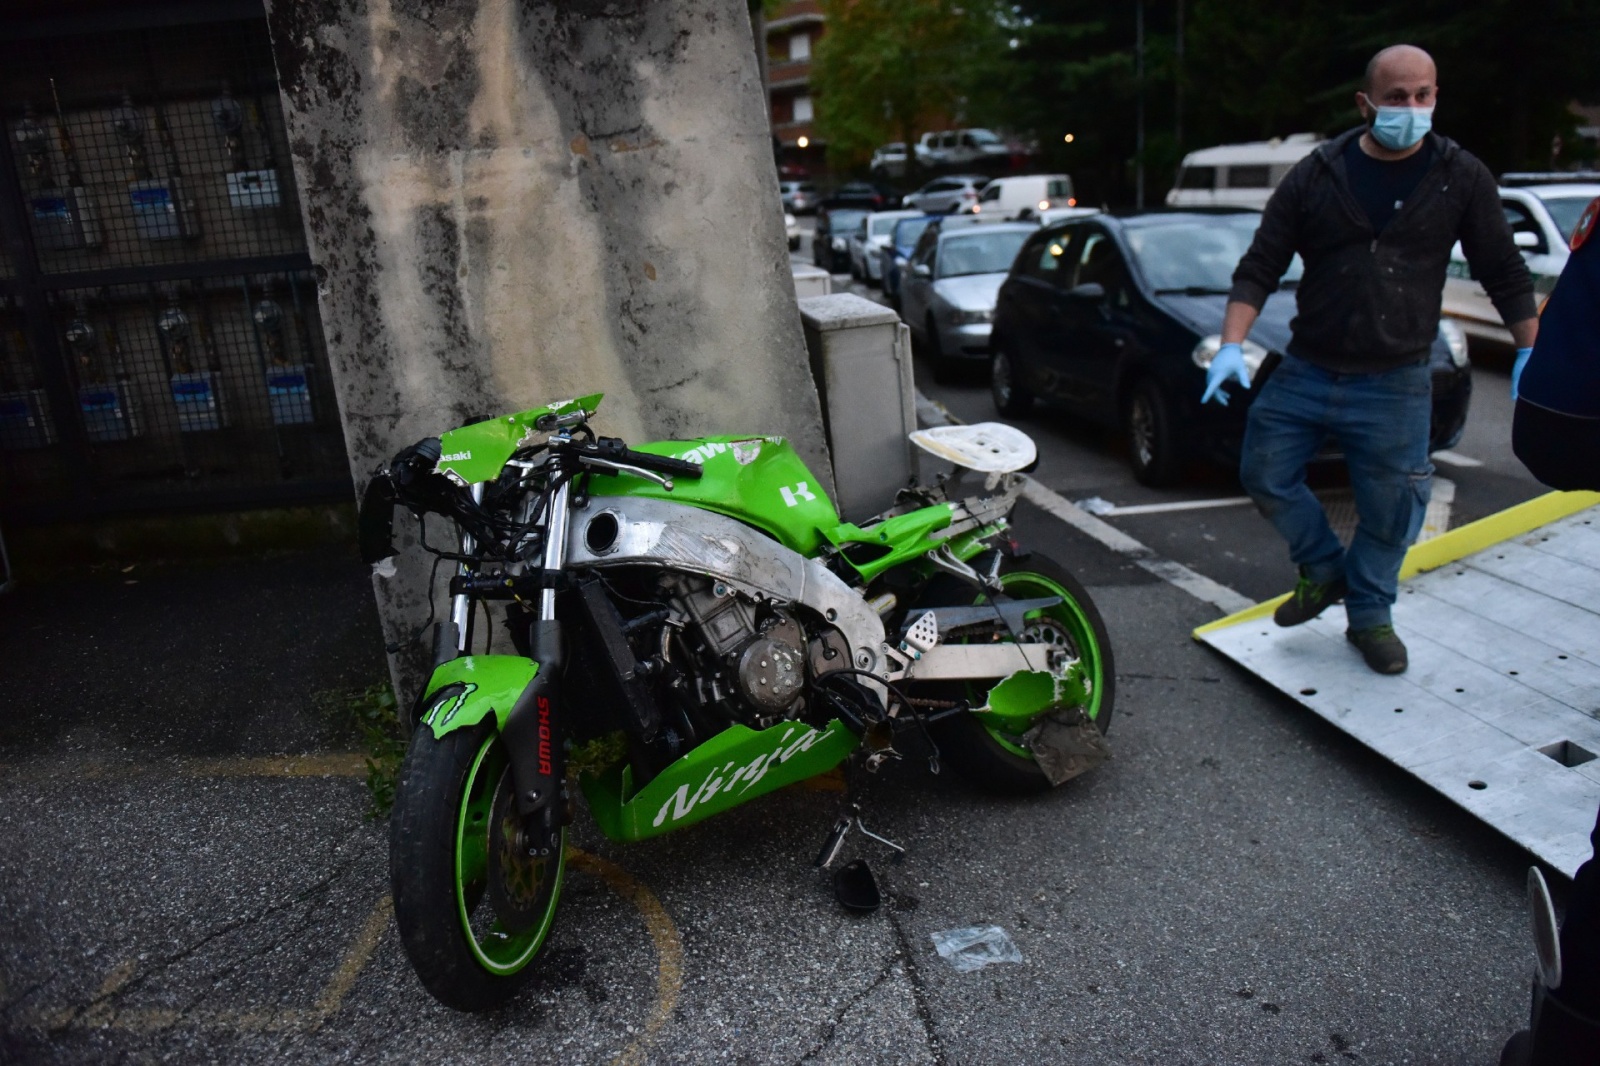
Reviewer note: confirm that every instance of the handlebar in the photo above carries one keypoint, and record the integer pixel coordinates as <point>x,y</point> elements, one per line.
<point>613,450</point>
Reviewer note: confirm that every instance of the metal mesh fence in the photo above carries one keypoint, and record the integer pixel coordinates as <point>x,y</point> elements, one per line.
<point>159,335</point>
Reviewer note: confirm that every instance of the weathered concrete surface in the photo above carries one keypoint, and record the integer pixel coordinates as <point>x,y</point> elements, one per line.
<point>511,203</point>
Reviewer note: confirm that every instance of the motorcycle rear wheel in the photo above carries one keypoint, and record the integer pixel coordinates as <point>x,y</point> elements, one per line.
<point>440,836</point>
<point>991,758</point>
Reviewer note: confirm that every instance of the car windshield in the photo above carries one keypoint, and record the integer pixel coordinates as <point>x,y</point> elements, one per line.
<point>843,220</point>
<point>882,227</point>
<point>979,253</point>
<point>983,137</point>
<point>1564,212</point>
<point>1197,255</point>
<point>907,232</point>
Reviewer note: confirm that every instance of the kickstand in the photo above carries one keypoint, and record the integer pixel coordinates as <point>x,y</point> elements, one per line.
<point>851,819</point>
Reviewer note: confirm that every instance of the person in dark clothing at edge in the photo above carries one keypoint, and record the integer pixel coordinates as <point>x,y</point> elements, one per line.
<point>1374,213</point>
<point>1555,431</point>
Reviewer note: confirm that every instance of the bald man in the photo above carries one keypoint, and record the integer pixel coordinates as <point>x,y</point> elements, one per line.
<point>1374,213</point>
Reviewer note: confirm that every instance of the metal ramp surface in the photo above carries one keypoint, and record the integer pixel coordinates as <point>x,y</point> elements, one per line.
<point>1500,709</point>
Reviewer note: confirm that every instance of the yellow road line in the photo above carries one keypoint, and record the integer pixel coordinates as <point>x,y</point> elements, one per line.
<point>1452,546</point>
<point>361,949</point>
<point>329,764</point>
<point>668,945</point>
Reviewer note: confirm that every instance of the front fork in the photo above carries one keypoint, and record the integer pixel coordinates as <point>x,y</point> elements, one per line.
<point>532,733</point>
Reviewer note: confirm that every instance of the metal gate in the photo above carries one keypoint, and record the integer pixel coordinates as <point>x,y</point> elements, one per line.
<point>160,345</point>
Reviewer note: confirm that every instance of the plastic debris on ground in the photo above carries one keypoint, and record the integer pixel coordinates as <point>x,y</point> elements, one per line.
<point>975,946</point>
<point>1097,505</point>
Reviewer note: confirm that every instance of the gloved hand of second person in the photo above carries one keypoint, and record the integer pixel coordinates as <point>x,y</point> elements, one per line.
<point>1516,368</point>
<point>1227,363</point>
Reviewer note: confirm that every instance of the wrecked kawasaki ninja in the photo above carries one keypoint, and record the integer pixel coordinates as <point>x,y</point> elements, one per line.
<point>698,608</point>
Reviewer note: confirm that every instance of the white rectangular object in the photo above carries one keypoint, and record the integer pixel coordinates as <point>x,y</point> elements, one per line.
<point>1500,708</point>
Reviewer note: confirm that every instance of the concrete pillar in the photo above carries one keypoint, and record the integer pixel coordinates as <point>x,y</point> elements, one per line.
<point>514,202</point>
<point>861,359</point>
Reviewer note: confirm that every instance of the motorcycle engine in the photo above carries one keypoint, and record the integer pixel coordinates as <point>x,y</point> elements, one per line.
<point>760,649</point>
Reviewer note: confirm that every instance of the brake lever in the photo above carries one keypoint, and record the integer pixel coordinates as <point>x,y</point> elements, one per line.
<point>625,468</point>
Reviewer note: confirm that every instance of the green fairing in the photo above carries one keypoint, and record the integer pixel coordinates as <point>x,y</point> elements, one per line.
<point>757,480</point>
<point>479,452</point>
<point>1016,701</point>
<point>490,685</point>
<point>898,540</point>
<point>736,765</point>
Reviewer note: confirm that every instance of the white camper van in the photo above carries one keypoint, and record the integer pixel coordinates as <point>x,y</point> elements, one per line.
<point>1238,175</point>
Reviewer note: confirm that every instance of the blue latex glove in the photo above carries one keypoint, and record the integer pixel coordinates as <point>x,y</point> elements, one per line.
<point>1516,368</point>
<point>1227,363</point>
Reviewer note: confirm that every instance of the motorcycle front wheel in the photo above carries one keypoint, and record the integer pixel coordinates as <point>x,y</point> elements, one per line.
<point>988,756</point>
<point>454,871</point>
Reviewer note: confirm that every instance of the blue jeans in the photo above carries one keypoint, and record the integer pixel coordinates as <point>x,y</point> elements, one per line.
<point>1381,423</point>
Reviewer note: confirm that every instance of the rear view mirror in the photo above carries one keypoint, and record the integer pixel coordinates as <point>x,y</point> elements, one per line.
<point>1089,290</point>
<point>1526,240</point>
<point>921,270</point>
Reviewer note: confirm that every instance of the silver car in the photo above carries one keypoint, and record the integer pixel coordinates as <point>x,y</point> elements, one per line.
<point>869,239</point>
<point>943,196</point>
<point>948,296</point>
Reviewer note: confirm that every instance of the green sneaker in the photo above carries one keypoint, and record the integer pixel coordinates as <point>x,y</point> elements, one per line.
<point>1381,648</point>
<point>1309,599</point>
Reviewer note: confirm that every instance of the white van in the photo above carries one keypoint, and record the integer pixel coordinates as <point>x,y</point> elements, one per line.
<point>1238,175</point>
<point>1025,196</point>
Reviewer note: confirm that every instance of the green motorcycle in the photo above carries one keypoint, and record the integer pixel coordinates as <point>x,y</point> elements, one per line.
<point>699,609</point>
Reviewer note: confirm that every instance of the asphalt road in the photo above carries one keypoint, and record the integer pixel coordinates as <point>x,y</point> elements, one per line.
<point>1240,884</point>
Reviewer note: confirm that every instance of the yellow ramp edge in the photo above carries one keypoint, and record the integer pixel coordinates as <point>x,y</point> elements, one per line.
<point>1451,546</point>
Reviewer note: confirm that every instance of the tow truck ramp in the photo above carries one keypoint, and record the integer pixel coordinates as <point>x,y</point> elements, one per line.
<point>1500,709</point>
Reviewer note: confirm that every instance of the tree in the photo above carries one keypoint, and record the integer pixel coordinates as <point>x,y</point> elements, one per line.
<point>887,69</point>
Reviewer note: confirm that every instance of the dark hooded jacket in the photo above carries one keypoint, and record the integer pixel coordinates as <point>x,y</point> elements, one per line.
<point>1369,303</point>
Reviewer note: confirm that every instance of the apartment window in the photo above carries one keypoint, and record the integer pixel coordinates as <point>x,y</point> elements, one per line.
<point>802,109</point>
<point>799,47</point>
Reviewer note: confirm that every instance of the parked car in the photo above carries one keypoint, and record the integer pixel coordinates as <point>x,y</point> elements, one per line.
<point>791,229</point>
<point>1117,318</point>
<point>863,194</point>
<point>1025,196</point>
<point>1238,175</point>
<point>868,239</point>
<point>947,298</point>
<point>896,252</point>
<point>1061,214</point>
<point>1542,217</point>
<point>960,148</point>
<point>830,241</point>
<point>946,195</point>
<point>889,161</point>
<point>799,197</point>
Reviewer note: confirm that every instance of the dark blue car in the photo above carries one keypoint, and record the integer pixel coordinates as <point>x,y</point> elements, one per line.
<point>898,252</point>
<point>1115,318</point>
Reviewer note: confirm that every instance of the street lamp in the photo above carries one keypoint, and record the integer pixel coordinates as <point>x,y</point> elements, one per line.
<point>1068,138</point>
<point>804,142</point>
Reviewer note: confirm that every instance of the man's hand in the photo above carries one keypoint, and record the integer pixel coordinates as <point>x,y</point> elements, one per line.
<point>1227,363</point>
<point>1516,368</point>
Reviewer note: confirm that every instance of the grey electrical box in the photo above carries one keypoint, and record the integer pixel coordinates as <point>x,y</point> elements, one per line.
<point>25,420</point>
<point>159,210</point>
<point>253,190</point>
<point>289,395</point>
<point>64,219</point>
<point>861,361</point>
<point>110,412</point>
<point>198,397</point>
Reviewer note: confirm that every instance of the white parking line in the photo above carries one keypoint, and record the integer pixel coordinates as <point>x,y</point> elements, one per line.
<point>1107,510</point>
<point>1456,458</point>
<point>933,413</point>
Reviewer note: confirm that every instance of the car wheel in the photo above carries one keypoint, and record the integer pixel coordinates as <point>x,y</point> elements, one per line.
<point>1011,397</point>
<point>1152,437</point>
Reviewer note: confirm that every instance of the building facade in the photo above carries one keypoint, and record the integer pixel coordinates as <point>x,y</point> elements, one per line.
<point>791,38</point>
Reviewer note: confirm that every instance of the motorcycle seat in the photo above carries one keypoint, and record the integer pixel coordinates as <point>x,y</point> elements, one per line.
<point>987,447</point>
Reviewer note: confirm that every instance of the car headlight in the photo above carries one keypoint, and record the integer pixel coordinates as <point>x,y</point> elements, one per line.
<point>1206,350</point>
<point>962,317</point>
<point>1455,340</point>
<point>840,244</point>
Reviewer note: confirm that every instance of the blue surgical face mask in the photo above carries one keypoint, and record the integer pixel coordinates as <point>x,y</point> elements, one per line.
<point>1398,128</point>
